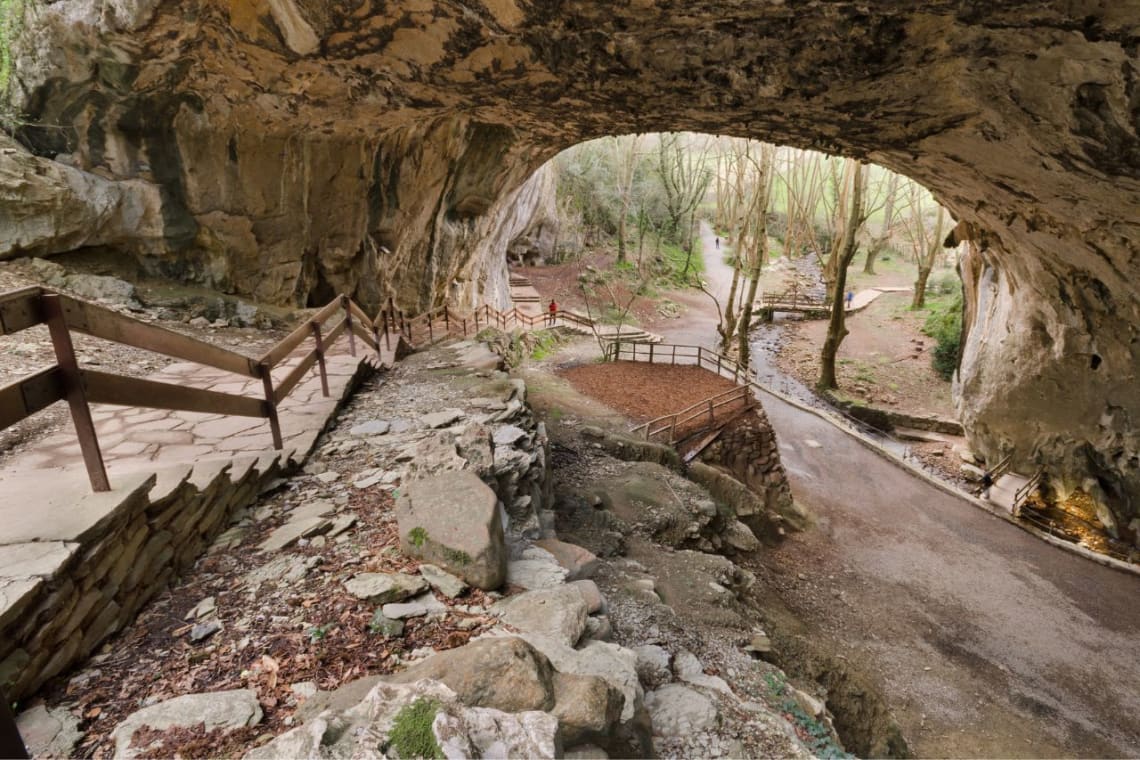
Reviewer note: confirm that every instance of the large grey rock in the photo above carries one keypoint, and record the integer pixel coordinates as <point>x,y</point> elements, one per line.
<point>504,673</point>
<point>614,664</point>
<point>460,731</point>
<point>678,710</point>
<point>49,733</point>
<point>220,709</point>
<point>653,665</point>
<point>382,588</point>
<point>453,521</point>
<point>587,707</point>
<point>537,568</point>
<point>579,563</point>
<point>557,612</point>
<point>688,668</point>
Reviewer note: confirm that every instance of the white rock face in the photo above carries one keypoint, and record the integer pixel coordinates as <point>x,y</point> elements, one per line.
<point>220,709</point>
<point>677,710</point>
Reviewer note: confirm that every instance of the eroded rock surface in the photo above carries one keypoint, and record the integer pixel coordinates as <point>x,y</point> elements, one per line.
<point>303,147</point>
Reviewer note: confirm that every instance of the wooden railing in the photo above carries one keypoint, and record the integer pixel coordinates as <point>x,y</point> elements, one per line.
<point>702,410</point>
<point>64,315</point>
<point>793,301</point>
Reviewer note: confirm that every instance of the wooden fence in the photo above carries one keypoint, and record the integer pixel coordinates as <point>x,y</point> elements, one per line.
<point>705,410</point>
<point>65,380</point>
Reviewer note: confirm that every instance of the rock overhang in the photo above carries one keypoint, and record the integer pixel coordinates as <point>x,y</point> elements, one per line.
<point>305,146</point>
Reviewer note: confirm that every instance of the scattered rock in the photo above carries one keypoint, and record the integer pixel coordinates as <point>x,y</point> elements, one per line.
<point>202,631</point>
<point>760,644</point>
<point>418,607</point>
<point>382,588</point>
<point>203,608</point>
<point>688,668</point>
<point>616,664</point>
<point>385,626</point>
<point>740,537</point>
<point>810,705</point>
<point>442,419</point>
<point>329,476</point>
<point>443,581</point>
<point>508,435</point>
<point>373,427</point>
<point>303,690</point>
<point>972,473</point>
<point>220,709</point>
<point>812,444</point>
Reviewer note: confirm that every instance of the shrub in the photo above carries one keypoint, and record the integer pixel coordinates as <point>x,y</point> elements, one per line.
<point>945,325</point>
<point>943,284</point>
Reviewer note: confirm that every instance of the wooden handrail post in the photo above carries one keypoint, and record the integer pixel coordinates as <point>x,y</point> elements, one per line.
<point>476,323</point>
<point>465,324</point>
<point>73,387</point>
<point>348,324</point>
<point>387,328</point>
<point>271,408</point>
<point>446,321</point>
<point>11,743</point>
<point>650,353</point>
<point>376,337</point>
<point>711,416</point>
<point>320,351</point>
<point>431,334</point>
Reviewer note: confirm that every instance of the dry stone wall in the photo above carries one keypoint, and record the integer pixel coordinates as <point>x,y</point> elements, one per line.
<point>63,599</point>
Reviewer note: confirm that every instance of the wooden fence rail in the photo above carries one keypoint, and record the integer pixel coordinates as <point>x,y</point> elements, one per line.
<point>27,307</point>
<point>704,409</point>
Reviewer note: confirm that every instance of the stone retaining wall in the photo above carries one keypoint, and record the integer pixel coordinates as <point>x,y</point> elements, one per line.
<point>747,450</point>
<point>887,420</point>
<point>59,600</point>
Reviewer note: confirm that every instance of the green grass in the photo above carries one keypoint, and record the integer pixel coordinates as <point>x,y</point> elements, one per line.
<point>675,258</point>
<point>545,343</point>
<point>418,537</point>
<point>411,734</point>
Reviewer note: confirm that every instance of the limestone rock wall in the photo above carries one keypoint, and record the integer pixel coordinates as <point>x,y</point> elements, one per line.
<point>306,146</point>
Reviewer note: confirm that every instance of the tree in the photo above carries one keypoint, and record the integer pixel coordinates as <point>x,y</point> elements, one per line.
<point>625,159</point>
<point>887,228</point>
<point>925,242</point>
<point>849,219</point>
<point>754,241</point>
<point>684,178</point>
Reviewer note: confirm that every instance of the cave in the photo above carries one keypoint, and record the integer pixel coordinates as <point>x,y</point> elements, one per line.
<point>396,143</point>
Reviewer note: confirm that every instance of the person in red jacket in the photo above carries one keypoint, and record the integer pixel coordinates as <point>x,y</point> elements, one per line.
<point>551,313</point>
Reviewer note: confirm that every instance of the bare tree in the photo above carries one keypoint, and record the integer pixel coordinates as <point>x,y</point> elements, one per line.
<point>625,157</point>
<point>879,242</point>
<point>853,216</point>
<point>755,240</point>
<point>685,178</point>
<point>925,242</point>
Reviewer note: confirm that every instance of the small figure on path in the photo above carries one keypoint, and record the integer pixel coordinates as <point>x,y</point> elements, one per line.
<point>718,243</point>
<point>850,298</point>
<point>551,313</point>
<point>987,484</point>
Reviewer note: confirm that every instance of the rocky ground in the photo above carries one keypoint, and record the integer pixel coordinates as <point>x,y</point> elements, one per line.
<point>632,638</point>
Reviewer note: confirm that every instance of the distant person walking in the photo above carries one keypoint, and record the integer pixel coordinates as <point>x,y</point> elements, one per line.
<point>718,243</point>
<point>850,298</point>
<point>551,313</point>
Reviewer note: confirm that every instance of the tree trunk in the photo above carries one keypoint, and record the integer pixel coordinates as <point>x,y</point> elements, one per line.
<point>919,299</point>
<point>837,325</point>
<point>621,239</point>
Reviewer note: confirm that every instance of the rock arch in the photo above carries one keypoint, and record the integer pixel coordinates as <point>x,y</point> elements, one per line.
<point>384,147</point>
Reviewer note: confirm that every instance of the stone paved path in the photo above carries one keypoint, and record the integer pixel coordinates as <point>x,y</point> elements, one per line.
<point>132,438</point>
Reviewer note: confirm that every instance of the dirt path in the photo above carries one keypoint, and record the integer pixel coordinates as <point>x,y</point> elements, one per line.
<point>989,642</point>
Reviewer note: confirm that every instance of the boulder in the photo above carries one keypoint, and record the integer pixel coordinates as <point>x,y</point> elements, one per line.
<point>452,520</point>
<point>972,472</point>
<point>229,710</point>
<point>503,673</point>
<point>383,588</point>
<point>688,668</point>
<point>740,537</point>
<point>653,665</point>
<point>536,569</point>
<point>578,562</point>
<point>615,664</point>
<point>394,715</point>
<point>587,707</point>
<point>558,612</point>
<point>677,710</point>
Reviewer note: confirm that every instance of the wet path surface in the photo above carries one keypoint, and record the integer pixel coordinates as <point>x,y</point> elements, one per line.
<point>989,642</point>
